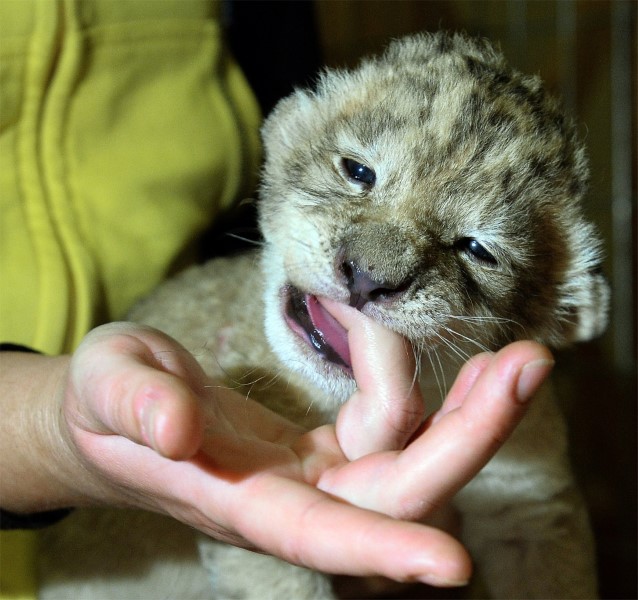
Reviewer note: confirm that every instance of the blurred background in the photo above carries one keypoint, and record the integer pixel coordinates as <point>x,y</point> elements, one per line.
<point>585,51</point>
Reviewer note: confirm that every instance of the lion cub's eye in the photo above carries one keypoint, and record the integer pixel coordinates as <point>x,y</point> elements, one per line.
<point>476,251</point>
<point>358,173</point>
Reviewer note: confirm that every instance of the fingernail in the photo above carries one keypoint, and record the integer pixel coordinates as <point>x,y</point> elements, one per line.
<point>531,377</point>
<point>147,423</point>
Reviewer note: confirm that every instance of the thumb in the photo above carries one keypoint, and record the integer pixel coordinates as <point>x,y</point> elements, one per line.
<point>135,382</point>
<point>387,407</point>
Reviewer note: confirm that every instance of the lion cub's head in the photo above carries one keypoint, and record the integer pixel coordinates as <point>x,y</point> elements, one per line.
<point>437,190</point>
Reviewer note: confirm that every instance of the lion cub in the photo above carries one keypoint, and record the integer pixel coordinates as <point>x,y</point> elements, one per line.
<point>437,190</point>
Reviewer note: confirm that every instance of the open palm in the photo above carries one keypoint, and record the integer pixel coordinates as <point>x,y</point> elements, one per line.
<point>339,498</point>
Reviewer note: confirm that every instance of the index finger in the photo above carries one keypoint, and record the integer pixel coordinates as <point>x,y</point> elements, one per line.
<point>387,407</point>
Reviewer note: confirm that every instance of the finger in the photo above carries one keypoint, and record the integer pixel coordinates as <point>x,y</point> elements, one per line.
<point>295,521</point>
<point>464,439</point>
<point>141,385</point>
<point>305,527</point>
<point>463,383</point>
<point>449,453</point>
<point>387,407</point>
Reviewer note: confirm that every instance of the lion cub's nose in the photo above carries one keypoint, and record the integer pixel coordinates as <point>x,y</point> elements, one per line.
<point>367,286</point>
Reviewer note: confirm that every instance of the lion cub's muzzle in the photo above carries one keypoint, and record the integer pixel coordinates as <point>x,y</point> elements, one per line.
<point>378,263</point>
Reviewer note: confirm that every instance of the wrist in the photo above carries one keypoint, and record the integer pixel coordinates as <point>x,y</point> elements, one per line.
<point>39,470</point>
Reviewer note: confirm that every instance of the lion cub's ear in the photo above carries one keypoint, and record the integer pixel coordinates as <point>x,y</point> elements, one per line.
<point>585,294</point>
<point>290,120</point>
<point>589,310</point>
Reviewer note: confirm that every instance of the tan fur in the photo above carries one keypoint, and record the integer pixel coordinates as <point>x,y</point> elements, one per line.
<point>464,151</point>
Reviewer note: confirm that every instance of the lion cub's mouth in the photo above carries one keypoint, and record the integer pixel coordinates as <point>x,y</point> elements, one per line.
<point>307,317</point>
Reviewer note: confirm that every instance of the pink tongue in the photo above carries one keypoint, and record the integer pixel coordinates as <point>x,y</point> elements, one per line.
<point>333,333</point>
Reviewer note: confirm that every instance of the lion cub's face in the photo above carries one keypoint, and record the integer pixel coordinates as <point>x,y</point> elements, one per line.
<point>437,191</point>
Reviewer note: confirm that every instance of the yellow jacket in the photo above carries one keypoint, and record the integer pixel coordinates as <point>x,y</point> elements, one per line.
<point>124,128</point>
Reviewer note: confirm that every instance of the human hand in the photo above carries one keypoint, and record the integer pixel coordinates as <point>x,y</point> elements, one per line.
<point>135,403</point>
